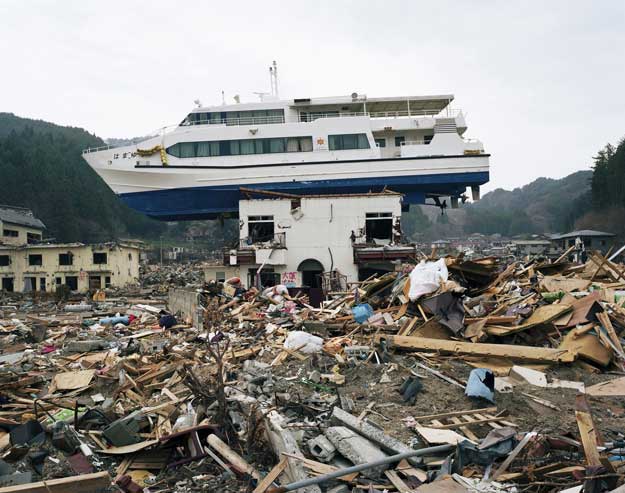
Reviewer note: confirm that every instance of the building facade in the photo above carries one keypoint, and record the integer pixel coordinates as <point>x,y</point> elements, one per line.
<point>591,240</point>
<point>18,226</point>
<point>294,240</point>
<point>45,267</point>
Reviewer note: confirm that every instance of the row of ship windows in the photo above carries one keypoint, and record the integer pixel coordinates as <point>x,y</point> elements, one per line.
<point>264,146</point>
<point>234,117</point>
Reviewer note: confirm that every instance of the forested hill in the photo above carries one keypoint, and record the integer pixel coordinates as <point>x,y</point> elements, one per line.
<point>544,205</point>
<point>41,168</point>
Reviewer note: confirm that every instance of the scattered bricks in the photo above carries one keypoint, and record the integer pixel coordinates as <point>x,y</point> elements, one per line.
<point>357,449</point>
<point>322,448</point>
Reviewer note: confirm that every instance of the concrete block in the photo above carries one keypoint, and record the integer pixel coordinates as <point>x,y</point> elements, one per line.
<point>387,443</point>
<point>321,448</point>
<point>357,449</point>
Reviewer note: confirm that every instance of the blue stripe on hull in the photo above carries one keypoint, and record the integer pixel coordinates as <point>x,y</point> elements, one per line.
<point>210,202</point>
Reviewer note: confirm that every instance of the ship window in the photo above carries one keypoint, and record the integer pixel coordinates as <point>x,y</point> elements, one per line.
<point>380,142</point>
<point>399,140</point>
<point>187,149</point>
<point>247,146</point>
<point>427,139</point>
<point>348,141</point>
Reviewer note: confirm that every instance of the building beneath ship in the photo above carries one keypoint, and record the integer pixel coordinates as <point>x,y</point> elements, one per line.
<point>315,242</point>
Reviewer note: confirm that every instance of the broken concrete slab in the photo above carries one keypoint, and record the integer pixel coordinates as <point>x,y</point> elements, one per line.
<point>376,435</point>
<point>357,449</point>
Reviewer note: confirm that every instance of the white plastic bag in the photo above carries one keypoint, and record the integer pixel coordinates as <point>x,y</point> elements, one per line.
<point>303,342</point>
<point>426,277</point>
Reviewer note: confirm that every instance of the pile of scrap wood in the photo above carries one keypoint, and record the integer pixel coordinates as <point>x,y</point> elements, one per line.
<point>451,375</point>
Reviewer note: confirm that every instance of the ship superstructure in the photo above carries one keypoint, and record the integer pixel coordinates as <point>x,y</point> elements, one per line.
<point>348,144</point>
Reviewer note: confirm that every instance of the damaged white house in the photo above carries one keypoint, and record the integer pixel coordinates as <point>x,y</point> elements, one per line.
<point>304,241</point>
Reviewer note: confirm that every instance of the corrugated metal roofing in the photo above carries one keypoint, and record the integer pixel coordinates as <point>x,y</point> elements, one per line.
<point>21,216</point>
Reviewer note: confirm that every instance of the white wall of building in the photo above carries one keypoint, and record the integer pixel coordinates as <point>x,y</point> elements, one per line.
<point>320,230</point>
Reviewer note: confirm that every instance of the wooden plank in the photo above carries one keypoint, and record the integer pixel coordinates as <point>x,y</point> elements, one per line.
<point>587,430</point>
<point>271,476</point>
<point>85,483</point>
<point>478,349</point>
<point>481,421</point>
<point>238,462</point>
<point>465,429</point>
<point>394,478</point>
<point>490,422</point>
<point>455,413</point>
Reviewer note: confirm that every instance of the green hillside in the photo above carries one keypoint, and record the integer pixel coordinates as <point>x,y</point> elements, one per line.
<point>41,168</point>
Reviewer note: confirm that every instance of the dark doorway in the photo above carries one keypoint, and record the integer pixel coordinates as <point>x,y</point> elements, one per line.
<point>72,282</point>
<point>7,284</point>
<point>95,282</point>
<point>311,270</point>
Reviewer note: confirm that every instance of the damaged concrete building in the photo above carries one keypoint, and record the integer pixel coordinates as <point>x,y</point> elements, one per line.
<point>293,240</point>
<point>28,264</point>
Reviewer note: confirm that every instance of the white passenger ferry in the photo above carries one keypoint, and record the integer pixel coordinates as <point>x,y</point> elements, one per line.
<point>347,144</point>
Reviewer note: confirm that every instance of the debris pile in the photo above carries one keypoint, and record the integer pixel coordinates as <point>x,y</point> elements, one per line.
<point>452,375</point>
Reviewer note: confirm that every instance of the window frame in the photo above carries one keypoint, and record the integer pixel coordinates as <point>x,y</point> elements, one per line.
<point>32,257</point>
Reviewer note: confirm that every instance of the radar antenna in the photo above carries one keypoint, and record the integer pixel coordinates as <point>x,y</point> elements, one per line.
<point>273,78</point>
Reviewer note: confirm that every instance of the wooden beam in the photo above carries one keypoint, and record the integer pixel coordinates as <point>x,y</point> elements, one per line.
<point>455,413</point>
<point>238,462</point>
<point>528,353</point>
<point>271,476</point>
<point>587,430</point>
<point>85,483</point>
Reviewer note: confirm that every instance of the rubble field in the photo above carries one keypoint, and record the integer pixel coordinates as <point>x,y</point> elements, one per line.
<point>448,375</point>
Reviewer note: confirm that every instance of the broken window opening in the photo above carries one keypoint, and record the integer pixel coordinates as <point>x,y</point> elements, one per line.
<point>33,238</point>
<point>11,233</point>
<point>35,259</point>
<point>260,228</point>
<point>379,227</point>
<point>99,258</point>
<point>66,258</point>
<point>5,260</point>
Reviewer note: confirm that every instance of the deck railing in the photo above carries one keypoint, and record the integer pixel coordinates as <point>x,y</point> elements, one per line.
<point>302,118</point>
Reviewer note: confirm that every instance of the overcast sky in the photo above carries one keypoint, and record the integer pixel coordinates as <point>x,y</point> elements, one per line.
<point>542,82</point>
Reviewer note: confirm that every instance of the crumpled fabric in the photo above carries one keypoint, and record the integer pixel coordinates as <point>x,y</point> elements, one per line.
<point>426,278</point>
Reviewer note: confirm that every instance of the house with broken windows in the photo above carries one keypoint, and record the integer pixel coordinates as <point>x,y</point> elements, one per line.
<point>45,267</point>
<point>19,226</point>
<point>315,241</point>
<point>28,264</point>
